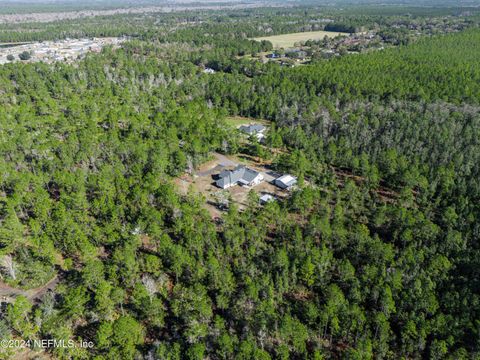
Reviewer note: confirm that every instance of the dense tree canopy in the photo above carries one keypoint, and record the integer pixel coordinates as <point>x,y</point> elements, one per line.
<point>375,255</point>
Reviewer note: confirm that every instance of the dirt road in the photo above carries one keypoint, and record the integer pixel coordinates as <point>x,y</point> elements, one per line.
<point>33,295</point>
<point>216,166</point>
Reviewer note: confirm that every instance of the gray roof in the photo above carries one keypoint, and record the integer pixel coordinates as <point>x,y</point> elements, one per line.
<point>266,198</point>
<point>252,129</point>
<point>240,174</point>
<point>286,181</point>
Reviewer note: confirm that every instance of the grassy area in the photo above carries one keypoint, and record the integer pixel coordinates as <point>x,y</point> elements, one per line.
<point>289,40</point>
<point>236,121</point>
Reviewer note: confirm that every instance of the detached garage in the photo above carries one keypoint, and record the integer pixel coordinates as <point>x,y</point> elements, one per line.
<point>285,181</point>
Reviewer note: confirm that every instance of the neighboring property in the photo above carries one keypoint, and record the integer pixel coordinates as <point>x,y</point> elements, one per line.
<point>274,56</point>
<point>297,54</point>
<point>241,175</point>
<point>285,181</point>
<point>256,130</point>
<point>266,198</point>
<point>208,71</point>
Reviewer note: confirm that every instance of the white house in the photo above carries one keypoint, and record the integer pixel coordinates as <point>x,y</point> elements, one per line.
<point>208,71</point>
<point>241,175</point>
<point>254,129</point>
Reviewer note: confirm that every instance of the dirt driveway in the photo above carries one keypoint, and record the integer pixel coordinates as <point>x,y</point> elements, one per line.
<point>215,166</point>
<point>202,182</point>
<point>7,291</point>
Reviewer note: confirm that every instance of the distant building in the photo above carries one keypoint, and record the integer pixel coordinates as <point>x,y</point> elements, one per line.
<point>285,181</point>
<point>273,56</point>
<point>208,71</point>
<point>286,64</point>
<point>136,231</point>
<point>256,130</point>
<point>297,54</point>
<point>241,175</point>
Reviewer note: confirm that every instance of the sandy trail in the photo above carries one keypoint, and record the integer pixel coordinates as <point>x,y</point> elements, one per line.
<point>33,295</point>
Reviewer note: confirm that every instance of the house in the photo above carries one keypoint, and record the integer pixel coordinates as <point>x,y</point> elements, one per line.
<point>241,175</point>
<point>256,130</point>
<point>208,71</point>
<point>285,181</point>
<point>297,54</point>
<point>273,56</point>
<point>266,198</point>
<point>287,64</point>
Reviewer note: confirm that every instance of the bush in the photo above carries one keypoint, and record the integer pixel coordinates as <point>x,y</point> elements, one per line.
<point>25,55</point>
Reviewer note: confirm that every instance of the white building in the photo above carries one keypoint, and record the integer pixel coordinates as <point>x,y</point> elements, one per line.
<point>256,130</point>
<point>266,198</point>
<point>286,181</point>
<point>208,71</point>
<point>241,175</point>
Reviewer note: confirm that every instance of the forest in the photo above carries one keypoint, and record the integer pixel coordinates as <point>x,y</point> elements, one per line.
<point>375,255</point>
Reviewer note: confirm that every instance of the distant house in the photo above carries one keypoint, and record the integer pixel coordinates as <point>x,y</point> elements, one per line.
<point>273,56</point>
<point>208,71</point>
<point>287,64</point>
<point>256,130</point>
<point>266,198</point>
<point>297,54</point>
<point>285,181</point>
<point>241,175</point>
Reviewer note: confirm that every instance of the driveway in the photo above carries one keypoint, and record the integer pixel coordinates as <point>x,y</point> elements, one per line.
<point>224,161</point>
<point>220,162</point>
<point>7,291</point>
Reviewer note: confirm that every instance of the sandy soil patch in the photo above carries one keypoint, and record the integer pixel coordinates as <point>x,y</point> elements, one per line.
<point>203,182</point>
<point>289,40</point>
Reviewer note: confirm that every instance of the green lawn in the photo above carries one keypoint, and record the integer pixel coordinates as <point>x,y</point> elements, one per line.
<point>236,121</point>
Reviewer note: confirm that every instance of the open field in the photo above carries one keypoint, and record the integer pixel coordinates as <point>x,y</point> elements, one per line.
<point>289,40</point>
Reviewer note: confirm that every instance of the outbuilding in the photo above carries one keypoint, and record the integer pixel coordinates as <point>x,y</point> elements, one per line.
<point>286,181</point>
<point>266,198</point>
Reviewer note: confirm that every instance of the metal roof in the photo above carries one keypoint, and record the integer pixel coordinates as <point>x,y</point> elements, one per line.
<point>286,181</point>
<point>240,174</point>
<point>252,129</point>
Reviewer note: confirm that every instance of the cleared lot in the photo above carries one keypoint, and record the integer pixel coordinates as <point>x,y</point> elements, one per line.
<point>237,121</point>
<point>203,182</point>
<point>289,40</point>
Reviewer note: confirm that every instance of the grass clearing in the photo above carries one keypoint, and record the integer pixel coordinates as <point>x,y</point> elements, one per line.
<point>289,40</point>
<point>236,121</point>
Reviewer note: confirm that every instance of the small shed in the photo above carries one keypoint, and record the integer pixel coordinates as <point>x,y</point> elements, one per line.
<point>266,198</point>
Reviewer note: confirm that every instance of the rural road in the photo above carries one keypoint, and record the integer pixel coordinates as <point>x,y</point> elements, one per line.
<point>32,294</point>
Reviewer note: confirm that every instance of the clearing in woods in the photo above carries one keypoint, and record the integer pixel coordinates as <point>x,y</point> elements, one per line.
<point>289,40</point>
<point>237,121</point>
